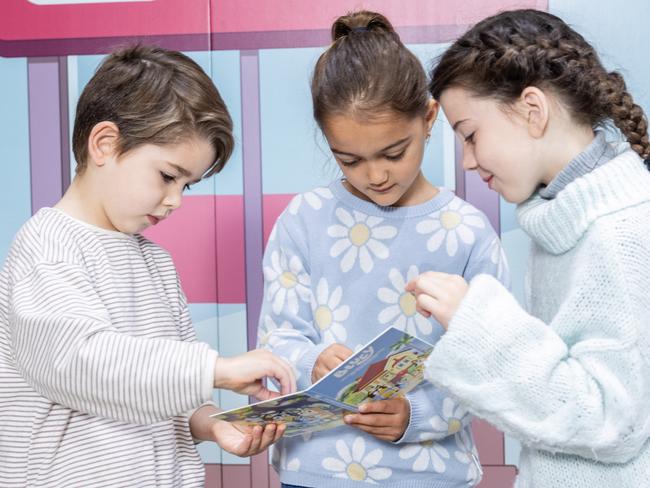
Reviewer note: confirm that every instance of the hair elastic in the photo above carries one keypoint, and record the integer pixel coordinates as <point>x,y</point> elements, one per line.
<point>360,29</point>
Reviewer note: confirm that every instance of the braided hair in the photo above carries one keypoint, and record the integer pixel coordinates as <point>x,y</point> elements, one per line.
<point>505,53</point>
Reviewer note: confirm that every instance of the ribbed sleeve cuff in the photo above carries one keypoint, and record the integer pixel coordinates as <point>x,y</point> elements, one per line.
<point>306,364</point>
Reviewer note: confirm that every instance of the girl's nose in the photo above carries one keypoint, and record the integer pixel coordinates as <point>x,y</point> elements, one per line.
<point>469,161</point>
<point>377,174</point>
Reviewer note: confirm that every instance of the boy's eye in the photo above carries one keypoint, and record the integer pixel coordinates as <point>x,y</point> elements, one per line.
<point>167,178</point>
<point>187,186</point>
<point>470,138</point>
<point>396,157</point>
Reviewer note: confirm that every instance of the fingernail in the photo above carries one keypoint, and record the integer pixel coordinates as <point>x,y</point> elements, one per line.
<point>348,419</point>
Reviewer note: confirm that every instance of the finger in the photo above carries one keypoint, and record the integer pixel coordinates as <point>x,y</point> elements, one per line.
<point>256,435</point>
<point>342,352</point>
<point>283,372</point>
<point>430,305</point>
<point>331,362</point>
<point>422,311</point>
<point>382,406</point>
<point>388,432</point>
<point>279,432</point>
<point>371,420</point>
<point>268,437</point>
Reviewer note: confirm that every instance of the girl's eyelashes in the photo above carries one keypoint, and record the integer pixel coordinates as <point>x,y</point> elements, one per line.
<point>395,157</point>
<point>187,187</point>
<point>349,163</point>
<point>470,138</point>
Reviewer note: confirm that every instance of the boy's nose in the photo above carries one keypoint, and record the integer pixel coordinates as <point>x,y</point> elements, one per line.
<point>173,199</point>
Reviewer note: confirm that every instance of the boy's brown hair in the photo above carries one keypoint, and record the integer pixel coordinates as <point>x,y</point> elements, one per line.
<point>154,96</point>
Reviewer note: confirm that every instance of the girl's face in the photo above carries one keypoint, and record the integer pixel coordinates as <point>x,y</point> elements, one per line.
<point>381,158</point>
<point>497,144</point>
<point>145,185</point>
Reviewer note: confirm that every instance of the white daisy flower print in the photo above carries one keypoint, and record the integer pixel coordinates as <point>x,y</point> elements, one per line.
<point>451,224</point>
<point>356,464</point>
<point>401,312</point>
<point>280,459</point>
<point>425,452</point>
<point>288,282</point>
<point>451,420</point>
<point>498,257</point>
<point>359,236</point>
<point>329,314</point>
<point>468,455</point>
<point>271,335</point>
<point>314,198</point>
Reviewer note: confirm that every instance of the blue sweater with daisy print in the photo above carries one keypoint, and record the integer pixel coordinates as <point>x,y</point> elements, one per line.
<point>335,268</point>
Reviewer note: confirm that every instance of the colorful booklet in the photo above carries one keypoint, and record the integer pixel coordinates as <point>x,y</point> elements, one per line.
<point>391,364</point>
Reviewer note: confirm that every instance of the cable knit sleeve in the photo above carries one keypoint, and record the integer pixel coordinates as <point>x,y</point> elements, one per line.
<point>578,384</point>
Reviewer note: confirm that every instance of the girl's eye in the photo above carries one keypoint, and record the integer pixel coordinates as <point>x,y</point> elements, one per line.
<point>349,163</point>
<point>187,187</point>
<point>396,157</point>
<point>167,178</point>
<point>470,138</point>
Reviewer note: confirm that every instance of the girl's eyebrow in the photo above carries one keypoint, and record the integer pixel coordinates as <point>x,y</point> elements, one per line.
<point>387,148</point>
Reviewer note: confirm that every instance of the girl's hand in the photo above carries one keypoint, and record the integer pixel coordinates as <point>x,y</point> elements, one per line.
<point>244,441</point>
<point>438,294</point>
<point>329,359</point>
<point>385,419</point>
<point>244,374</point>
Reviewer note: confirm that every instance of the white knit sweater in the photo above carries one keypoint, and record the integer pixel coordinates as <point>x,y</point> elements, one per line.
<point>571,377</point>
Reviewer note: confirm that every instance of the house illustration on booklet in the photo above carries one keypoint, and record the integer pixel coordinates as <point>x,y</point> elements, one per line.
<point>383,379</point>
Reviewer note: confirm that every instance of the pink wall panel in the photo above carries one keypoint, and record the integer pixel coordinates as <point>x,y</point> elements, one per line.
<point>260,16</point>
<point>23,20</point>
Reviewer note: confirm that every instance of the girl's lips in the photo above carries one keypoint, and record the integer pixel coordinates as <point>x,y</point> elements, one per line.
<point>489,181</point>
<point>153,220</point>
<point>382,190</point>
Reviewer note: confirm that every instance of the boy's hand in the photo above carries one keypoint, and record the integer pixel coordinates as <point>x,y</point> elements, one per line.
<point>438,294</point>
<point>244,374</point>
<point>243,440</point>
<point>329,359</point>
<point>385,419</point>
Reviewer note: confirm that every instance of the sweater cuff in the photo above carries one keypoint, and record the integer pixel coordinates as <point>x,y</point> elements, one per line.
<point>416,417</point>
<point>481,341</point>
<point>207,383</point>
<point>305,365</point>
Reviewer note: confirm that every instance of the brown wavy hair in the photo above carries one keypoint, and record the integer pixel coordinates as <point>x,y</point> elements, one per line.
<point>367,72</point>
<point>154,96</point>
<point>505,53</point>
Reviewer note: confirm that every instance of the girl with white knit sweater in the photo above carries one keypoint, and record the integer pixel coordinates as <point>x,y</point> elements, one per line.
<point>570,377</point>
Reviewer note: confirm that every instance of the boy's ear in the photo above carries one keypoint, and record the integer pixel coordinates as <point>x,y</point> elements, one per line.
<point>102,142</point>
<point>535,106</point>
<point>432,113</point>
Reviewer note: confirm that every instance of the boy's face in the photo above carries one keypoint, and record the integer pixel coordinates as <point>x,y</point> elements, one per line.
<point>145,185</point>
<point>381,158</point>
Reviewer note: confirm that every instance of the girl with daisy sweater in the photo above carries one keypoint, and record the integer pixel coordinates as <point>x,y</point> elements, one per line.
<point>339,257</point>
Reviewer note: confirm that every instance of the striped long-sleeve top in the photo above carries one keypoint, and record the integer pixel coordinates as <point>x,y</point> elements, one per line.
<point>98,361</point>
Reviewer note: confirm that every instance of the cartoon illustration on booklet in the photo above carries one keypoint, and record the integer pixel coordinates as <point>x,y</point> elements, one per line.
<point>389,365</point>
